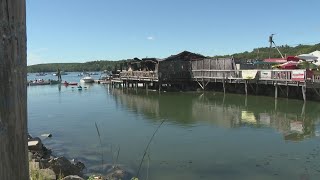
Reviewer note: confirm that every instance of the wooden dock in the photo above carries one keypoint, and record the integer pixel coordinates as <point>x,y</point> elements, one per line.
<point>280,80</point>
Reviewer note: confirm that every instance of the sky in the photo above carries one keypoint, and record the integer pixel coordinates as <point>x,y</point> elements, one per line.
<point>82,30</point>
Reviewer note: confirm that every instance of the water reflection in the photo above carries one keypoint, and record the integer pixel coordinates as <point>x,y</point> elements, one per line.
<point>289,117</point>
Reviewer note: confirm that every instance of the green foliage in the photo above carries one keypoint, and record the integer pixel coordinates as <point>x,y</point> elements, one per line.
<point>263,52</point>
<point>75,67</point>
<point>92,177</point>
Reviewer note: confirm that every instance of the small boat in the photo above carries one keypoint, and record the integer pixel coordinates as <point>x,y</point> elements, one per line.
<point>43,82</point>
<point>70,83</point>
<point>87,79</point>
<point>79,88</point>
<point>37,83</point>
<point>54,81</point>
<point>105,76</point>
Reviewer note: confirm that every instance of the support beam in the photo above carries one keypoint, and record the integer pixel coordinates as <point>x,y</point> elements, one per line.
<point>13,91</point>
<point>200,85</point>
<point>246,87</point>
<point>276,91</point>
<point>224,87</point>
<point>303,110</point>
<point>315,90</point>
<point>304,89</point>
<point>281,90</point>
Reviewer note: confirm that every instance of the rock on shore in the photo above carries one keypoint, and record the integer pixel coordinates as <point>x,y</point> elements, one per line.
<point>51,168</point>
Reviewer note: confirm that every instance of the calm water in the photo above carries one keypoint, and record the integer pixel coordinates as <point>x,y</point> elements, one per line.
<point>204,136</point>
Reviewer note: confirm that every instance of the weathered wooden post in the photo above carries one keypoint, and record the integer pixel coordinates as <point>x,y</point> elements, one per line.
<point>276,91</point>
<point>304,89</point>
<point>246,87</point>
<point>13,91</point>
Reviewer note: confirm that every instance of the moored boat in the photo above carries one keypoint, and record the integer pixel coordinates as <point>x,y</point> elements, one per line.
<point>70,83</point>
<point>38,82</point>
<point>87,79</point>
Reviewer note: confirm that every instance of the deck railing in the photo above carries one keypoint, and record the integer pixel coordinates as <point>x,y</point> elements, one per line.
<point>217,74</point>
<point>299,75</point>
<point>296,75</point>
<point>136,75</point>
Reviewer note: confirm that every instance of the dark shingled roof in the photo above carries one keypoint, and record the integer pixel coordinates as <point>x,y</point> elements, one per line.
<point>185,56</point>
<point>155,60</point>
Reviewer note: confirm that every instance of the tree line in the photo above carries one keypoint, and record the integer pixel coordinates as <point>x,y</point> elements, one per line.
<point>75,67</point>
<point>263,52</point>
<point>257,53</point>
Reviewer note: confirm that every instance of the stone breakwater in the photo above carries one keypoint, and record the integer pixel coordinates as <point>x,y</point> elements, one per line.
<point>43,165</point>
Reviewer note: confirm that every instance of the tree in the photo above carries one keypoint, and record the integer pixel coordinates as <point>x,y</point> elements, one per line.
<point>13,91</point>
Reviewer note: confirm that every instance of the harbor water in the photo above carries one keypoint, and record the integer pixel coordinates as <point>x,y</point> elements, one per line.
<point>205,135</point>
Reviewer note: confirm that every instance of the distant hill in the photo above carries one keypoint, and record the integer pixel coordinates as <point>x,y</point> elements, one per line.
<point>263,52</point>
<point>257,53</point>
<point>74,67</point>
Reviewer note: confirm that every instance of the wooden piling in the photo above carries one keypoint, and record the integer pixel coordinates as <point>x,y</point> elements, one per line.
<point>276,91</point>
<point>224,86</point>
<point>13,91</point>
<point>246,87</point>
<point>304,89</point>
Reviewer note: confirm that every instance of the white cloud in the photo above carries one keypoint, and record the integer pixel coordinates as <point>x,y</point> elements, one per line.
<point>151,38</point>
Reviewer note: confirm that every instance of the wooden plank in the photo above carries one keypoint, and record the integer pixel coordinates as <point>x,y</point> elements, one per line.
<point>13,91</point>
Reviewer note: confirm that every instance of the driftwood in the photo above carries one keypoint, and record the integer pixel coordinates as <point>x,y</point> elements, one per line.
<point>13,91</point>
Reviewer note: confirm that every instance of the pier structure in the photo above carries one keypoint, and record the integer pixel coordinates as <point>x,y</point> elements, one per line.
<point>188,69</point>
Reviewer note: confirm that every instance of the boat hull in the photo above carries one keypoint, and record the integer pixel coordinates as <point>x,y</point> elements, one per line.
<point>87,80</point>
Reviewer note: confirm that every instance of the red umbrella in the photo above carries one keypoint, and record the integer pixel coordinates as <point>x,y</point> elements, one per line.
<point>289,65</point>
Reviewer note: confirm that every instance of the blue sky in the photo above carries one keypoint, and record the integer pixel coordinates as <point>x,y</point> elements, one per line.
<point>82,30</point>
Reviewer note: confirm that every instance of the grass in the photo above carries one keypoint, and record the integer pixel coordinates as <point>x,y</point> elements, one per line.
<point>145,151</point>
<point>98,132</point>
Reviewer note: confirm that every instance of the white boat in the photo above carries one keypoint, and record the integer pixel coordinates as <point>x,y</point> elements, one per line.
<point>87,79</point>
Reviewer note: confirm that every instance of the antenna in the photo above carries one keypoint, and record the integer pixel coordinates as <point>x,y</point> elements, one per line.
<point>273,43</point>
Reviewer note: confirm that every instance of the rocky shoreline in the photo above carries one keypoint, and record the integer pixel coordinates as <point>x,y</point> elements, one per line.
<point>45,166</point>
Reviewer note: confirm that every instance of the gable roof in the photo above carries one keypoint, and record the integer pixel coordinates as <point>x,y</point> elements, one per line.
<point>185,56</point>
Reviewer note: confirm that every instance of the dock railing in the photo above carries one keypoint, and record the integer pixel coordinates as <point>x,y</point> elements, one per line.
<point>139,75</point>
<point>294,75</point>
<point>217,74</point>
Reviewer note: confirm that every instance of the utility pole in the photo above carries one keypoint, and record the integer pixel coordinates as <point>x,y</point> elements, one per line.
<point>13,91</point>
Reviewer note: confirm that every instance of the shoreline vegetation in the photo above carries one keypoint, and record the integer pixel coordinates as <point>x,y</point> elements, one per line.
<point>100,65</point>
